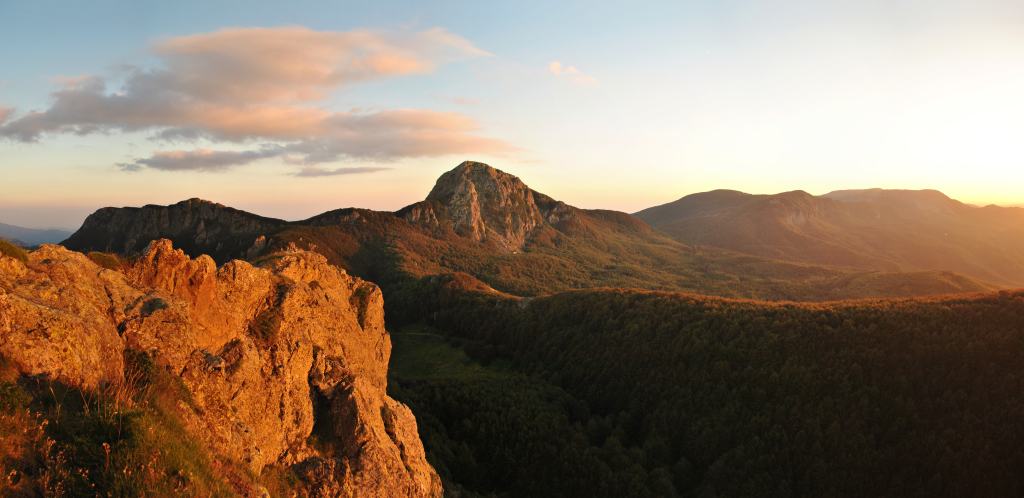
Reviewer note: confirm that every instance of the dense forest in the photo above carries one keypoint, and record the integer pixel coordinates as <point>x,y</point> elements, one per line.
<point>631,393</point>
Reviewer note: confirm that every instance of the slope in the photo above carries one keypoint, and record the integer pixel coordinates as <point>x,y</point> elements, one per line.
<point>872,230</point>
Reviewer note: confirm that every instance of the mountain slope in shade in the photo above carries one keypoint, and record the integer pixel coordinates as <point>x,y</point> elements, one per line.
<point>196,226</point>
<point>490,226</point>
<point>32,236</point>
<point>887,230</point>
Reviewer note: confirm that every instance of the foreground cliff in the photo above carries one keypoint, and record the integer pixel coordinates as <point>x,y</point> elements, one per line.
<point>268,355</point>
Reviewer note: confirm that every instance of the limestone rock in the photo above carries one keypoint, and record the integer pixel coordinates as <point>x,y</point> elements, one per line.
<point>257,347</point>
<point>487,204</point>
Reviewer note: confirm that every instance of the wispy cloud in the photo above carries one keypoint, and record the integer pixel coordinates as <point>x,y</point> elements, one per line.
<point>201,159</point>
<point>572,74</point>
<point>456,100</point>
<point>245,85</point>
<point>315,172</point>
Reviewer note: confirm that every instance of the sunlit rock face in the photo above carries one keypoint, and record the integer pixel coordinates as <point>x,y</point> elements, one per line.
<point>486,204</point>
<point>489,205</point>
<point>258,347</point>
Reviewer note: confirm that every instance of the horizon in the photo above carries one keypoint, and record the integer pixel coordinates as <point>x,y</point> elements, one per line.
<point>311,215</point>
<point>292,111</point>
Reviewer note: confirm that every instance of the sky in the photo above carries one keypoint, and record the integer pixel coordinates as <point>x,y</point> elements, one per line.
<point>291,109</point>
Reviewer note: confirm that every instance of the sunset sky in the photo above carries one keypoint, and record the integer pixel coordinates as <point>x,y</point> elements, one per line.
<point>292,109</point>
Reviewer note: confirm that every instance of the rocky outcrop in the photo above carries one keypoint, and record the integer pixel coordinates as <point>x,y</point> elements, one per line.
<point>202,227</point>
<point>487,204</point>
<point>429,213</point>
<point>260,348</point>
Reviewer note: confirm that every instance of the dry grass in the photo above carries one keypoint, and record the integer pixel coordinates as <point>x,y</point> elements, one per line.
<point>13,251</point>
<point>123,438</point>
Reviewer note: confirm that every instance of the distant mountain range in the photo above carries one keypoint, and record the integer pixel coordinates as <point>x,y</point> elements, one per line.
<point>31,237</point>
<point>491,227</point>
<point>875,229</point>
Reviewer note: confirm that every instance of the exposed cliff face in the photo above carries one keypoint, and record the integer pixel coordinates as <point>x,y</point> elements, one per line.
<point>259,349</point>
<point>199,226</point>
<point>487,204</point>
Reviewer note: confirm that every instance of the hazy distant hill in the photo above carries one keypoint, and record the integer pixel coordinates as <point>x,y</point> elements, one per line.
<point>891,230</point>
<point>19,243</point>
<point>488,224</point>
<point>31,236</point>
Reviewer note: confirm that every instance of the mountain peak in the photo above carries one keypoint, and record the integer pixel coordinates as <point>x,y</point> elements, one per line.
<point>487,204</point>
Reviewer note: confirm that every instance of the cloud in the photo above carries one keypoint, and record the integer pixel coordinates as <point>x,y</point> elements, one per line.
<point>316,172</point>
<point>572,73</point>
<point>456,100</point>
<point>201,159</point>
<point>297,64</point>
<point>245,85</point>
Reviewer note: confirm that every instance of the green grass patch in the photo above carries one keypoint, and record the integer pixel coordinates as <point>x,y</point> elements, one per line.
<point>419,351</point>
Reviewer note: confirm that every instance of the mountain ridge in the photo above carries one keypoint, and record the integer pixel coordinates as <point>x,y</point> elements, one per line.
<point>490,225</point>
<point>32,236</point>
<point>872,229</point>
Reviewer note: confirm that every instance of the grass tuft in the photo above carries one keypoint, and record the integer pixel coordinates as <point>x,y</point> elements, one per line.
<point>12,251</point>
<point>109,261</point>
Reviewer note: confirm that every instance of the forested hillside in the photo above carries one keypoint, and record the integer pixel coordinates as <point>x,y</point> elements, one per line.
<point>917,397</point>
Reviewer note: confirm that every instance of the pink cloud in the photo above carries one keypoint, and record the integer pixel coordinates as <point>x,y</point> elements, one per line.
<point>297,64</point>
<point>574,74</point>
<point>315,172</point>
<point>245,85</point>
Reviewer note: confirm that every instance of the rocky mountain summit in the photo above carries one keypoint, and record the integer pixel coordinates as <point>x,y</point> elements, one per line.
<point>267,353</point>
<point>488,204</point>
<point>195,225</point>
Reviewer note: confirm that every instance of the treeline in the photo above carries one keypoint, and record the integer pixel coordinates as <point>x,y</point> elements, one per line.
<point>918,397</point>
